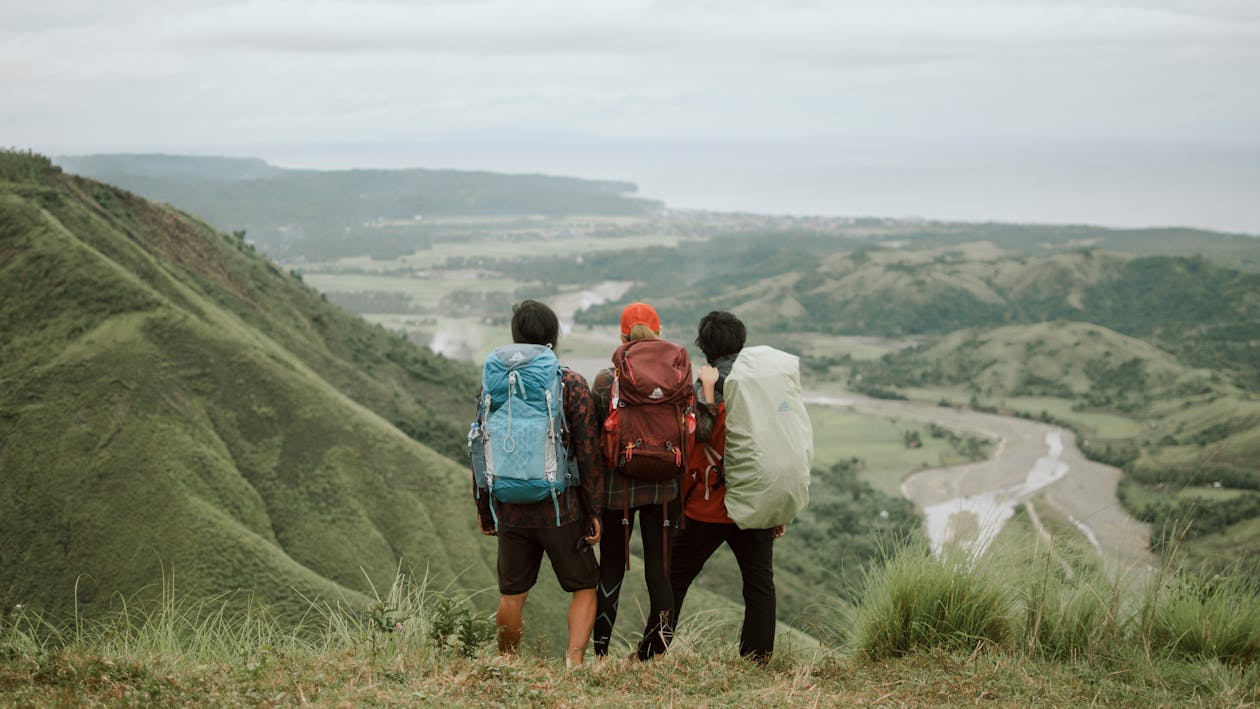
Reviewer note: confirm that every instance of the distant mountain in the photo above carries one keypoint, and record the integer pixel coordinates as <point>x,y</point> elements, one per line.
<point>319,214</point>
<point>171,400</point>
<point>1204,314</point>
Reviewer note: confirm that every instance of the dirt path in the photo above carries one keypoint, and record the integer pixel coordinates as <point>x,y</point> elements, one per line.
<point>968,504</point>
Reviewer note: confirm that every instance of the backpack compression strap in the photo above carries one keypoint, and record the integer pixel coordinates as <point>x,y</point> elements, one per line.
<point>489,471</point>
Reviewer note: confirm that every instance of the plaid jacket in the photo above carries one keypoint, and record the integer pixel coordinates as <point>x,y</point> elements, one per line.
<point>576,504</point>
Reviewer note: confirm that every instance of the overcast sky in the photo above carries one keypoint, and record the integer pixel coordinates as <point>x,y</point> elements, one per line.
<point>1141,112</point>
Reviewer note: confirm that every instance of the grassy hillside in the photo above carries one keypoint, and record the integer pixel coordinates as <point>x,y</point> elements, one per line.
<point>171,400</point>
<point>1035,627</point>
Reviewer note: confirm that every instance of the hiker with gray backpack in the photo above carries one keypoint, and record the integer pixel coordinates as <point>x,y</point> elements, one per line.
<point>748,473</point>
<point>538,480</point>
<point>644,403</point>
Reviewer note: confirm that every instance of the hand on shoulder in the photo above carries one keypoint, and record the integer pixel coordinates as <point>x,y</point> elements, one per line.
<point>709,374</point>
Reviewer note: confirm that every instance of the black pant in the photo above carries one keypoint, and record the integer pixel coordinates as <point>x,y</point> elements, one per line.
<point>612,570</point>
<point>754,551</point>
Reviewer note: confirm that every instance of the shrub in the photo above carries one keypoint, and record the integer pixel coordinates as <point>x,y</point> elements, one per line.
<point>918,602</point>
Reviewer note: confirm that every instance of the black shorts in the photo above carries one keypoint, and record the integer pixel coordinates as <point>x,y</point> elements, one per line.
<point>520,556</point>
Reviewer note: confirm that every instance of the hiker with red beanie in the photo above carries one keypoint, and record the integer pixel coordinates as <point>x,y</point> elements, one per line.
<point>644,406</point>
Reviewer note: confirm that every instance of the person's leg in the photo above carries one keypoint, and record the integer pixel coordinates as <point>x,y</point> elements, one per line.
<point>660,627</point>
<point>573,561</point>
<point>509,622</point>
<point>693,544</point>
<point>754,551</point>
<point>612,571</point>
<point>520,556</point>
<point>581,621</point>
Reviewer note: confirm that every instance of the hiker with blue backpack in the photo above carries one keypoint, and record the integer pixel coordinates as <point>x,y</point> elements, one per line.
<point>538,480</point>
<point>748,472</point>
<point>644,406</point>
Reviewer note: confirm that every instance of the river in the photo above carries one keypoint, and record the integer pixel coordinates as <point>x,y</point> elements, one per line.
<point>967,505</point>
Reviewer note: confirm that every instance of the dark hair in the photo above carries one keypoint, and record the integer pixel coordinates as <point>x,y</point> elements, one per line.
<point>721,334</point>
<point>534,323</point>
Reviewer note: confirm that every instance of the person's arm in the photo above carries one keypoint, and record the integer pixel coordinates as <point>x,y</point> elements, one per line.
<point>706,402</point>
<point>482,497</point>
<point>601,391</point>
<point>484,520</point>
<point>584,437</point>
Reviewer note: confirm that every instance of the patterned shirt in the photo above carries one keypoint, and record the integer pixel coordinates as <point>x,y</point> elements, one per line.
<point>622,492</point>
<point>576,504</point>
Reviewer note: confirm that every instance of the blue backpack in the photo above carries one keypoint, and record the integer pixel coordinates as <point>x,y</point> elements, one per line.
<point>517,443</point>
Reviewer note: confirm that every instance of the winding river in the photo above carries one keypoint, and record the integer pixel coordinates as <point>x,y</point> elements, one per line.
<point>967,505</point>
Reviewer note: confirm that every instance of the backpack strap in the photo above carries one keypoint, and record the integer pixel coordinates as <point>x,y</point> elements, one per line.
<point>485,413</point>
<point>551,438</point>
<point>715,465</point>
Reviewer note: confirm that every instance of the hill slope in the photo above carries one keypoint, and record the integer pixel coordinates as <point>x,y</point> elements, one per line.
<point>170,399</point>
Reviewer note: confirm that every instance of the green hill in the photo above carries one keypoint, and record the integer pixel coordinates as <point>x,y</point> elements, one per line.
<point>1206,315</point>
<point>320,214</point>
<point>1096,366</point>
<point>170,399</point>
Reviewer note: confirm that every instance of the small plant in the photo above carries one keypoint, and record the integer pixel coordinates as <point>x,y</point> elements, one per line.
<point>385,617</point>
<point>453,626</point>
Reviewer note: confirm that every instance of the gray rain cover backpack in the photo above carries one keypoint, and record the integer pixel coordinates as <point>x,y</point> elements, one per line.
<point>769,439</point>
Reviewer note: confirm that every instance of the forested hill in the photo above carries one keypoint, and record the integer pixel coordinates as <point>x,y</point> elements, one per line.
<point>171,400</point>
<point>1205,314</point>
<point>280,208</point>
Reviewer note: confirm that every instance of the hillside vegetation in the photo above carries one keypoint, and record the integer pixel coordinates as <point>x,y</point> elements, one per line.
<point>1033,628</point>
<point>1205,315</point>
<point>171,400</point>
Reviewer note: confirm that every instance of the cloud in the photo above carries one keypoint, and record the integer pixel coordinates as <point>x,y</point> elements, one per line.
<point>132,71</point>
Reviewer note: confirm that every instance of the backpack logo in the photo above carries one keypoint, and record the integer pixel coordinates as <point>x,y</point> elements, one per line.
<point>657,394</point>
<point>784,408</point>
<point>517,357</point>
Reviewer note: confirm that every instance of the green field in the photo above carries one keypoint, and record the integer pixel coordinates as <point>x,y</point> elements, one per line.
<point>841,434</point>
<point>538,246</point>
<point>1097,423</point>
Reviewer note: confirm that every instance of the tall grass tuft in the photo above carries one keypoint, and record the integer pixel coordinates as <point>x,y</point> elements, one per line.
<point>919,602</point>
<point>1215,617</point>
<point>1074,613</point>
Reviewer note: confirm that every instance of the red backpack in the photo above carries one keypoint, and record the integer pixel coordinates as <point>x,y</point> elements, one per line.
<point>647,434</point>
